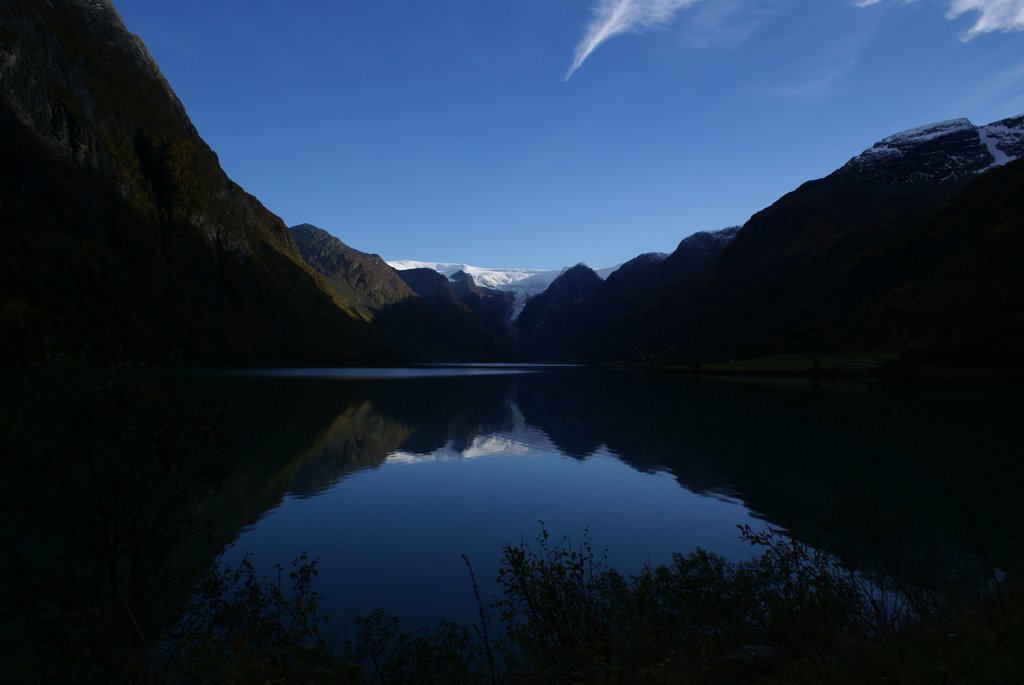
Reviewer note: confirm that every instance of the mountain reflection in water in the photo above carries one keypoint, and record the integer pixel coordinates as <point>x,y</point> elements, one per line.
<point>390,481</point>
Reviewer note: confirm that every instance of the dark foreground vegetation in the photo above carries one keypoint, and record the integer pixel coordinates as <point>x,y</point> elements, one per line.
<point>106,477</point>
<point>789,615</point>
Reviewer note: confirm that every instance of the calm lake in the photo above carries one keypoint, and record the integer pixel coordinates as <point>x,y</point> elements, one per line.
<point>390,476</point>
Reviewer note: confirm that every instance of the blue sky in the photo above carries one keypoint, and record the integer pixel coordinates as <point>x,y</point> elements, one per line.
<point>446,130</point>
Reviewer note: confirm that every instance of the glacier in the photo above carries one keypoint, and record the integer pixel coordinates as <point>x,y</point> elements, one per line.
<point>523,283</point>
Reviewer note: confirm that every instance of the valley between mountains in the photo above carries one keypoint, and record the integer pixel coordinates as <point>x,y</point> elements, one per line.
<point>220,430</point>
<point>125,240</point>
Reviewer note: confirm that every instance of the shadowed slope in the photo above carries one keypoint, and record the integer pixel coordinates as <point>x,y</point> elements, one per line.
<point>123,237</point>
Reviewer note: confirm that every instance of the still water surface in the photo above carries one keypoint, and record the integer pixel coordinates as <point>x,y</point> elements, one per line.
<point>389,476</point>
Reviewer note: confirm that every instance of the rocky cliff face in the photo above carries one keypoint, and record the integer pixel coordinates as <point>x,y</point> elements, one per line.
<point>947,151</point>
<point>1004,139</point>
<point>123,236</point>
<point>48,89</point>
<point>68,70</point>
<point>166,145</point>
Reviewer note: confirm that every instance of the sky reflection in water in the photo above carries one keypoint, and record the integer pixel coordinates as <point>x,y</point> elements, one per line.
<point>389,483</point>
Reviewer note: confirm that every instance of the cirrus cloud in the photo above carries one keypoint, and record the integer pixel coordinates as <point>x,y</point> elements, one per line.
<point>995,15</point>
<point>613,17</point>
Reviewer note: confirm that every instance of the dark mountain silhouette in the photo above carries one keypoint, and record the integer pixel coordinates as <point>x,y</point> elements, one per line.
<point>432,286</point>
<point>361,278</point>
<point>123,237</point>
<point>492,307</point>
<point>437,325</point>
<point>599,317</point>
<point>943,277</point>
<point>419,312</point>
<point>911,243</point>
<point>541,325</point>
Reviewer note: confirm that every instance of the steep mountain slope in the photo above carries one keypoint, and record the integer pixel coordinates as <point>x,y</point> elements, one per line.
<point>437,325</point>
<point>541,327</point>
<point>944,151</point>
<point>882,253</point>
<point>636,269</point>
<point>492,307</point>
<point>432,287</point>
<point>417,311</point>
<point>599,317</point>
<point>362,279</point>
<point>123,238</point>
<point>696,255</point>
<point>902,174</point>
<point>951,279</point>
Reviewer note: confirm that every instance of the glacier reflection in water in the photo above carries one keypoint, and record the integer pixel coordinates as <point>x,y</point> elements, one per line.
<point>390,476</point>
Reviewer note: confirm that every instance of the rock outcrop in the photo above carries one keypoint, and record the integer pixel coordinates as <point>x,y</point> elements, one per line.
<point>947,151</point>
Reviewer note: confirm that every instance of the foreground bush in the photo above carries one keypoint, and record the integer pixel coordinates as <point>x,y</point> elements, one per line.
<point>791,614</point>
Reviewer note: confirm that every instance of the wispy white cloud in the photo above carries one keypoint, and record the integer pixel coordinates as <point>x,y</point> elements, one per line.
<point>994,15</point>
<point>869,3</point>
<point>723,24</point>
<point>815,87</point>
<point>614,17</point>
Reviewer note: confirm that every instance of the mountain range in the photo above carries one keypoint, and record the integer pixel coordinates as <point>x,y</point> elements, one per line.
<point>124,239</point>
<point>914,242</point>
<point>522,283</point>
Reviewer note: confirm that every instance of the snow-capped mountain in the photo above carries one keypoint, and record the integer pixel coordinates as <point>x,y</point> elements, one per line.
<point>1004,139</point>
<point>524,283</point>
<point>517,438</point>
<point>944,151</point>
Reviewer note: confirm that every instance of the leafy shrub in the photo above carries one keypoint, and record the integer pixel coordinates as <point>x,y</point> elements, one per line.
<point>241,628</point>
